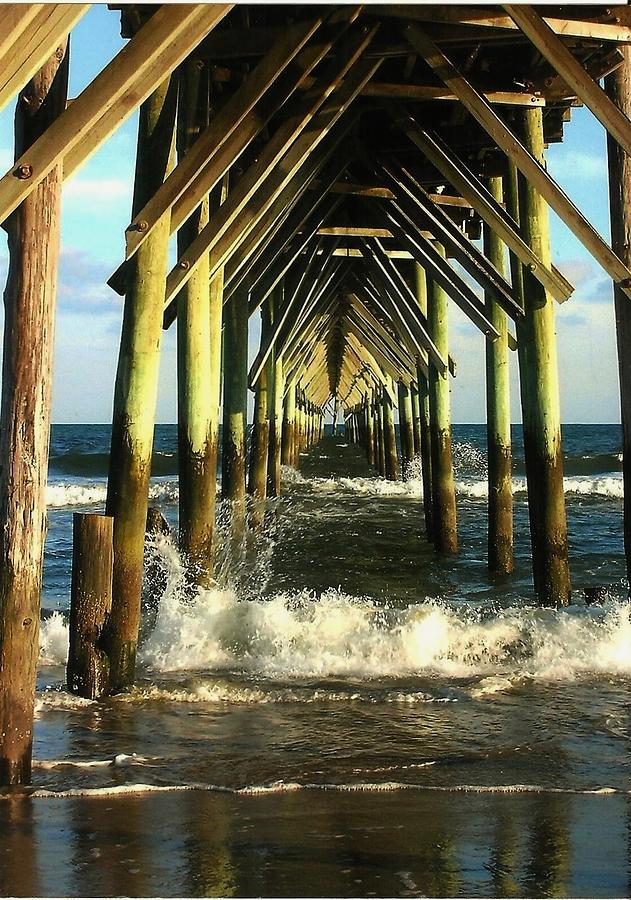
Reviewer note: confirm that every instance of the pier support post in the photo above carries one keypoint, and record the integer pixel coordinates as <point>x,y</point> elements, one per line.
<point>444,518</point>
<point>416,420</point>
<point>539,388</point>
<point>288,456</point>
<point>618,86</point>
<point>420,279</point>
<point>90,603</point>
<point>136,389</point>
<point>370,431</point>
<point>406,427</point>
<point>390,440</point>
<point>259,451</point>
<point>276,431</point>
<point>29,301</point>
<point>381,445</point>
<point>235,398</point>
<point>197,452</point>
<point>498,433</point>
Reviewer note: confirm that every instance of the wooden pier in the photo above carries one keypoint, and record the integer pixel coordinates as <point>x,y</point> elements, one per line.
<point>345,174</point>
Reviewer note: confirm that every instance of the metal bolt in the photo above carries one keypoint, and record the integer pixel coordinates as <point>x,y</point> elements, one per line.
<point>532,266</point>
<point>184,264</point>
<point>23,172</point>
<point>142,225</point>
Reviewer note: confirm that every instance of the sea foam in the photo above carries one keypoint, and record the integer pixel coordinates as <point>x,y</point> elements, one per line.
<point>300,634</point>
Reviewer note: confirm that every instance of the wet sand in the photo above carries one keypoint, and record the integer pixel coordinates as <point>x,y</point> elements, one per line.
<point>317,844</point>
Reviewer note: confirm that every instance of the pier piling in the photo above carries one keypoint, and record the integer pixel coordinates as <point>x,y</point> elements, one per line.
<point>29,303</point>
<point>197,456</point>
<point>420,279</point>
<point>539,389</point>
<point>444,520</point>
<point>90,604</point>
<point>618,87</point>
<point>499,451</point>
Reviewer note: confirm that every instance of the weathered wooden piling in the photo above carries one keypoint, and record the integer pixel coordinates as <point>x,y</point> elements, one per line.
<point>539,388</point>
<point>420,280</point>
<point>389,437</point>
<point>381,445</point>
<point>406,426</point>
<point>88,669</point>
<point>235,397</point>
<point>288,455</point>
<point>197,455</point>
<point>370,431</point>
<point>276,432</point>
<point>29,301</point>
<point>444,518</point>
<point>136,389</point>
<point>498,431</point>
<point>416,420</point>
<point>259,450</point>
<point>618,87</point>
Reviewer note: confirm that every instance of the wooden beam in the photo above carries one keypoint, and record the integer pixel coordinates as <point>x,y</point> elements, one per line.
<point>408,308</point>
<point>160,46</point>
<point>236,124</point>
<point>460,247</point>
<point>493,213</point>
<point>485,17</point>
<point>354,231</point>
<point>288,144</point>
<point>427,93</point>
<point>30,35</point>
<point>361,190</point>
<point>525,161</point>
<point>571,70</point>
<point>354,252</point>
<point>427,256</point>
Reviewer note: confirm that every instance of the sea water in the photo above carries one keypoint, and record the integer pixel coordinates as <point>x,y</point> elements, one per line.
<point>344,714</point>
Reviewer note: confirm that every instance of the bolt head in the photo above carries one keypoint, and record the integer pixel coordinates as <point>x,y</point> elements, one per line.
<point>23,172</point>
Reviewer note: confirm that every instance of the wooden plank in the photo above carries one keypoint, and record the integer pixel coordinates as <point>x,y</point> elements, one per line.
<point>30,35</point>
<point>287,144</point>
<point>168,36</point>
<point>409,308</point>
<point>457,173</point>
<point>413,202</point>
<point>240,119</point>
<point>485,17</point>
<point>525,162</point>
<point>382,292</point>
<point>571,70</point>
<point>427,93</point>
<point>354,231</point>
<point>16,18</point>
<point>429,258</point>
<point>271,277</point>
<point>354,252</point>
<point>279,330</point>
<point>269,214</point>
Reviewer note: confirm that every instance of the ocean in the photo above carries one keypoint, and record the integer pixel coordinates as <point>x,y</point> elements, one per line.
<point>345,714</point>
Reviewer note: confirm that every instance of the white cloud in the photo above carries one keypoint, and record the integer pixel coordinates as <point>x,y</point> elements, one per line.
<point>101,189</point>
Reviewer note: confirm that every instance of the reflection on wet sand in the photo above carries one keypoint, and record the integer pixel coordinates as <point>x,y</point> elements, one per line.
<point>314,843</point>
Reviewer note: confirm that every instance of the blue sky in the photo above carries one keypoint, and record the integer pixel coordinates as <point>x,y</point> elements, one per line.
<point>96,209</point>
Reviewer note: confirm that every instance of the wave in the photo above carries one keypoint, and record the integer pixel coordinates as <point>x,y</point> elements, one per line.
<point>299,634</point>
<point>61,494</point>
<point>609,487</point>
<point>290,787</point>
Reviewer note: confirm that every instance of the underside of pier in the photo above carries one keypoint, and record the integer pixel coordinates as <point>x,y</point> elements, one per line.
<point>343,173</point>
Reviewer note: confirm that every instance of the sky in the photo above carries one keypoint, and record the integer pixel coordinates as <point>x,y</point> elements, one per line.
<point>96,210</point>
